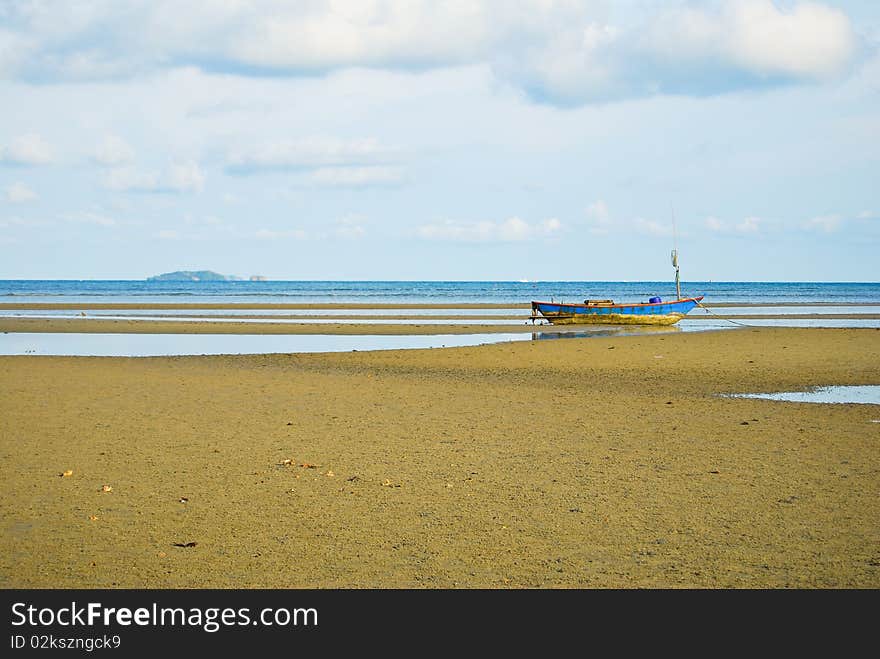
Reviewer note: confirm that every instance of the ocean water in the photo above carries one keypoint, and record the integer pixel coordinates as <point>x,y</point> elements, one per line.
<point>428,292</point>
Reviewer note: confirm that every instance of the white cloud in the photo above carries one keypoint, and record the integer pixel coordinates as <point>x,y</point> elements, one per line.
<point>307,153</point>
<point>560,52</point>
<point>349,228</point>
<point>867,215</point>
<point>549,226</point>
<point>598,212</point>
<point>598,217</point>
<point>355,177</point>
<point>749,225</point>
<point>755,37</point>
<point>29,149</point>
<point>186,177</point>
<point>18,193</point>
<point>9,222</point>
<point>269,234</point>
<point>87,217</point>
<point>350,233</point>
<point>202,220</point>
<point>824,223</point>
<point>701,49</point>
<point>128,179</point>
<point>179,178</point>
<point>652,227</point>
<point>513,229</point>
<point>409,33</point>
<point>811,41</point>
<point>14,51</point>
<point>714,224</point>
<point>168,234</point>
<point>113,151</point>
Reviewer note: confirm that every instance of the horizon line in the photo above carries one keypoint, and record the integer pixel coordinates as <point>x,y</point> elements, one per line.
<point>460,281</point>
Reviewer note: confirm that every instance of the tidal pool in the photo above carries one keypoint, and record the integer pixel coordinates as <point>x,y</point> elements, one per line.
<point>862,394</point>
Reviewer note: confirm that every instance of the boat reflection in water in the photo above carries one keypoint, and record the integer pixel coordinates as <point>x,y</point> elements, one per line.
<point>623,330</point>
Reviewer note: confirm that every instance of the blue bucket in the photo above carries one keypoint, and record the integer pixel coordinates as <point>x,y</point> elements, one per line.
<point>654,300</point>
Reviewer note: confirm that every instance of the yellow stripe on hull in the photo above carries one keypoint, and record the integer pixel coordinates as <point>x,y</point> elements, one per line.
<point>614,319</point>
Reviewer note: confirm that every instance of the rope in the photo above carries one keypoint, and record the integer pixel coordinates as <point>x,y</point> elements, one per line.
<point>709,311</point>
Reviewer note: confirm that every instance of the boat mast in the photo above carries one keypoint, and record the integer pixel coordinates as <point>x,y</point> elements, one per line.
<point>675,256</point>
<point>677,280</point>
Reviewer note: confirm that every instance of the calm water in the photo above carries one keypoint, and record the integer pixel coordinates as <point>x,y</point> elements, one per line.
<point>862,394</point>
<point>156,345</point>
<point>425,292</point>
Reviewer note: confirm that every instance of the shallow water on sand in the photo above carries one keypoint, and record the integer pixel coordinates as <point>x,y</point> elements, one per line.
<point>146,345</point>
<point>862,394</point>
<point>154,345</point>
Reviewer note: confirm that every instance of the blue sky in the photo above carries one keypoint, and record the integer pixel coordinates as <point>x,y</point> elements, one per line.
<point>476,140</point>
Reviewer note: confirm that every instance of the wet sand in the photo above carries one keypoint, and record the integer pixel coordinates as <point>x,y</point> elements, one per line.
<point>585,463</point>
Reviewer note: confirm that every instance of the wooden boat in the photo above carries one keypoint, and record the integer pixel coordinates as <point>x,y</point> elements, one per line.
<point>607,312</point>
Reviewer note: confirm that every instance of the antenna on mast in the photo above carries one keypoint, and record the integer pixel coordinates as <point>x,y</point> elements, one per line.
<point>675,255</point>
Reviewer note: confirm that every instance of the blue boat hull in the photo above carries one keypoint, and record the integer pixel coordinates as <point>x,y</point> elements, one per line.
<point>654,313</point>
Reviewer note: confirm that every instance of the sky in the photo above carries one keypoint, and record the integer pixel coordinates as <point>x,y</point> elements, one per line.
<point>534,140</point>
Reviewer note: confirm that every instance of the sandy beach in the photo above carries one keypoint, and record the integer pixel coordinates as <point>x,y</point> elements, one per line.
<point>279,282</point>
<point>581,463</point>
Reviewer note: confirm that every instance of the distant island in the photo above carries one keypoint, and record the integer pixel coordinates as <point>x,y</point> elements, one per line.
<point>201,275</point>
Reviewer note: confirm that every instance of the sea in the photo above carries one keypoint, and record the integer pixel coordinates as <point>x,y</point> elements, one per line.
<point>428,292</point>
<point>849,304</point>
